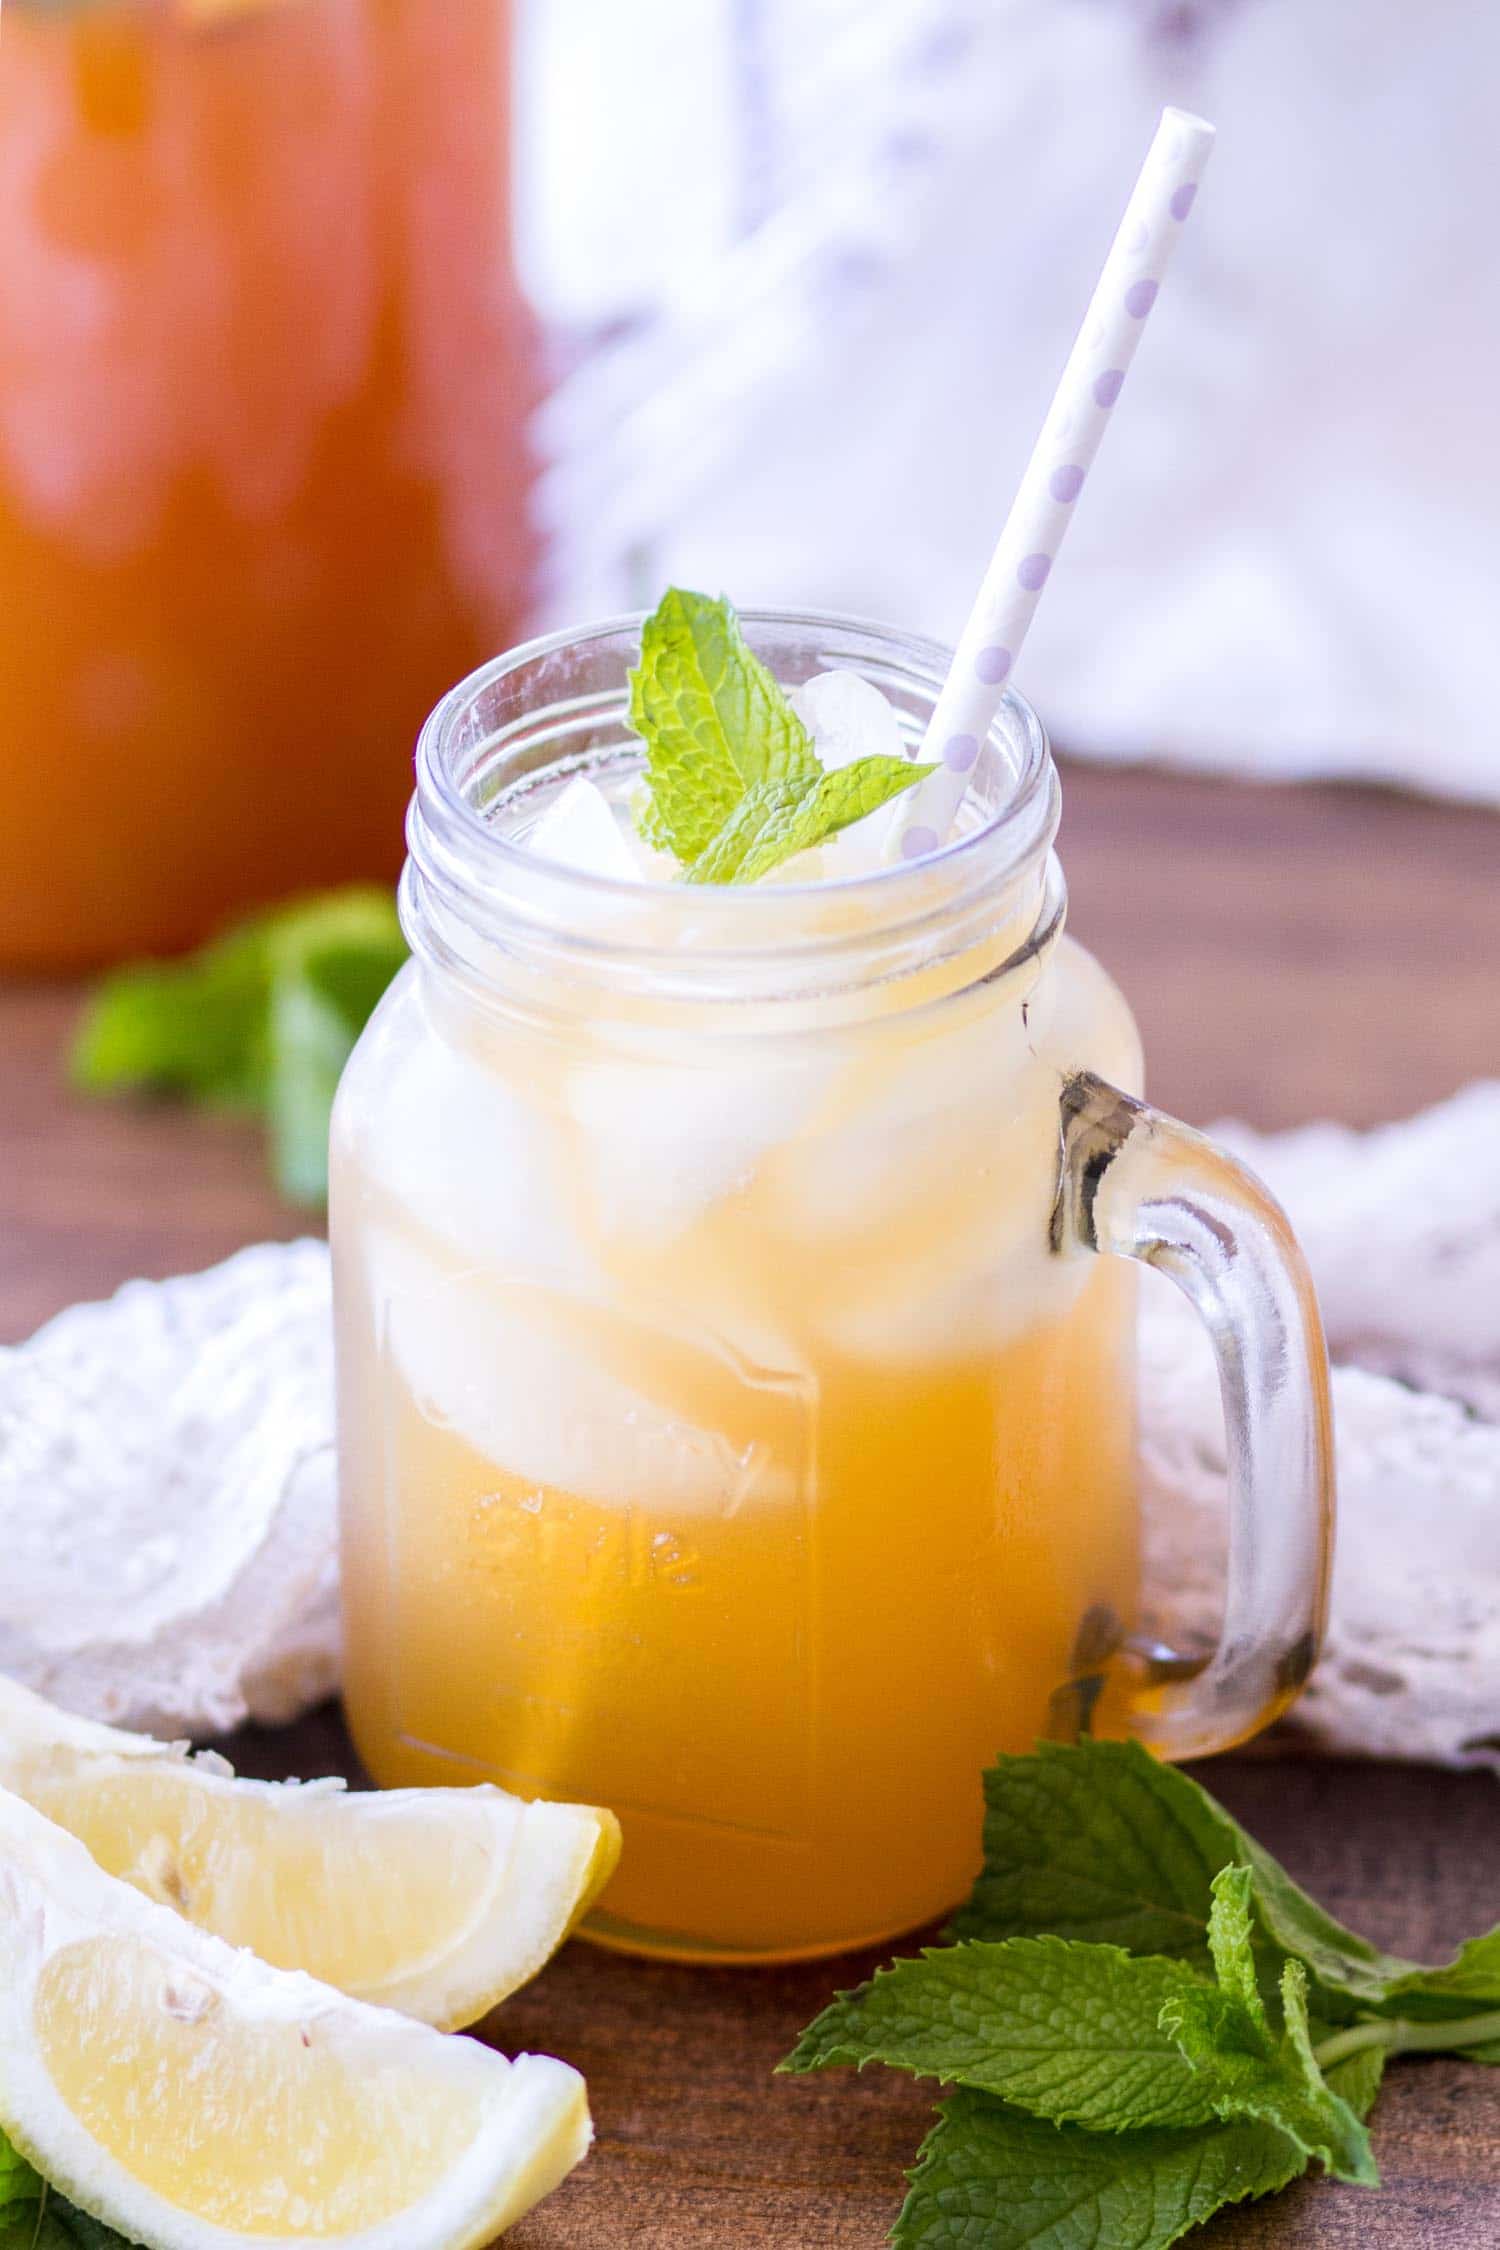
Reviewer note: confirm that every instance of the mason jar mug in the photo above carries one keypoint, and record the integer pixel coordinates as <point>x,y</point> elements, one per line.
<point>735,1297</point>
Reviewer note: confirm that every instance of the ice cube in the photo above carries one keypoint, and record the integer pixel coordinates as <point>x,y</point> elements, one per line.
<point>664,1142</point>
<point>857,850</point>
<point>470,1152</point>
<point>524,1376</point>
<point>848,718</point>
<point>579,829</point>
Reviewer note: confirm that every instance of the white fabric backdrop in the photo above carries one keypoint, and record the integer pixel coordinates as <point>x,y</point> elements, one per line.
<point>1289,559</point>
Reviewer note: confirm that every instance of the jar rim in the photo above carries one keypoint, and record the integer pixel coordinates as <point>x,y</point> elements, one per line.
<point>434,767</point>
<point>464,865</point>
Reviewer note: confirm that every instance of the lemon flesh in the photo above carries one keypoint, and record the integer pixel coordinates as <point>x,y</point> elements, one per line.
<point>324,2151</point>
<point>437,1902</point>
<point>194,2098</point>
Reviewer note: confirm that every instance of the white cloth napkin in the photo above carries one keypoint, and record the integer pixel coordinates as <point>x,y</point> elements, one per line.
<point>1285,560</point>
<point>168,1489</point>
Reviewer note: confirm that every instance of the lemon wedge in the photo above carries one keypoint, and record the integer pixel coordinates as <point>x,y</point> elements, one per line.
<point>435,1902</point>
<point>194,2098</point>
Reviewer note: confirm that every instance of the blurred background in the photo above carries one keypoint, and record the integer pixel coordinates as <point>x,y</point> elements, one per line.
<point>342,341</point>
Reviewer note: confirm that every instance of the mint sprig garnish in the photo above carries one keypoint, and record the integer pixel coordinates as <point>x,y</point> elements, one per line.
<point>1144,2016</point>
<point>736,785</point>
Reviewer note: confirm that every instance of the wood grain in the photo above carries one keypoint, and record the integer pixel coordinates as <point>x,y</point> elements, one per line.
<point>702,2147</point>
<point>1290,953</point>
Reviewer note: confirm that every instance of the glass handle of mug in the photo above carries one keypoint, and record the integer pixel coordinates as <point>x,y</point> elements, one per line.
<point>1136,1184</point>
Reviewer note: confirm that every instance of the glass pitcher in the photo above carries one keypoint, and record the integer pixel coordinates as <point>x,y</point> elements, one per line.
<point>265,371</point>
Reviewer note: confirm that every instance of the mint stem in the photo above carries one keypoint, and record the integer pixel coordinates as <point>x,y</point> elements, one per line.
<point>1405,2038</point>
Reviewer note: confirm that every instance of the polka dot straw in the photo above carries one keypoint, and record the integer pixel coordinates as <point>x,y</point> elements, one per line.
<point>1043,506</point>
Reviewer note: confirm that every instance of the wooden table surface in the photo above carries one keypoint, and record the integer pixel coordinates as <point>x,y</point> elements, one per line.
<point>1290,954</point>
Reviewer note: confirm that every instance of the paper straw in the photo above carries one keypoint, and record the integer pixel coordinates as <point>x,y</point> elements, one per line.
<point>1043,506</point>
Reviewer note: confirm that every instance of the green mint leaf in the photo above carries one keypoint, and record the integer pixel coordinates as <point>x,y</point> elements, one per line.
<point>1069,2032</point>
<point>1470,1985</point>
<point>1346,1971</point>
<point>18,2182</point>
<point>713,719</point>
<point>1235,2003</point>
<point>322,996</point>
<point>990,2178</point>
<point>194,1027</point>
<point>764,822</point>
<point>33,2216</point>
<point>1357,2081</point>
<point>774,820</point>
<point>1246,2069</point>
<point>264,1019</point>
<point>80,2230</point>
<point>1099,1841</point>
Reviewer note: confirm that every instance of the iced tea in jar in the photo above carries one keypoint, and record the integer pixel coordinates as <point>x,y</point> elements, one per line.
<point>735,1297</point>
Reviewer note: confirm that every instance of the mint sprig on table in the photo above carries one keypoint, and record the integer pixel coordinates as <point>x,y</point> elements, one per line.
<point>34,2216</point>
<point>1143,2017</point>
<point>262,1020</point>
<point>735,783</point>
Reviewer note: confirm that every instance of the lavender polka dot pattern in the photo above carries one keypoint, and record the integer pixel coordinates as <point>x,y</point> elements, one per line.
<point>990,646</point>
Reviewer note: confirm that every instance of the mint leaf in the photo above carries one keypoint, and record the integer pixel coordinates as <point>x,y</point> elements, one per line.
<point>1070,2032</point>
<point>194,1027</point>
<point>1088,2035</point>
<point>264,1019</point>
<point>713,719</point>
<point>56,2224</point>
<point>1098,1840</point>
<point>80,2229</point>
<point>1249,2071</point>
<point>989,2178</point>
<point>1469,1985</point>
<point>735,784</point>
<point>322,995</point>
<point>776,819</point>
<point>769,812</point>
<point>1357,2081</point>
<point>1231,1945</point>
<point>19,2183</point>
<point>33,2216</point>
